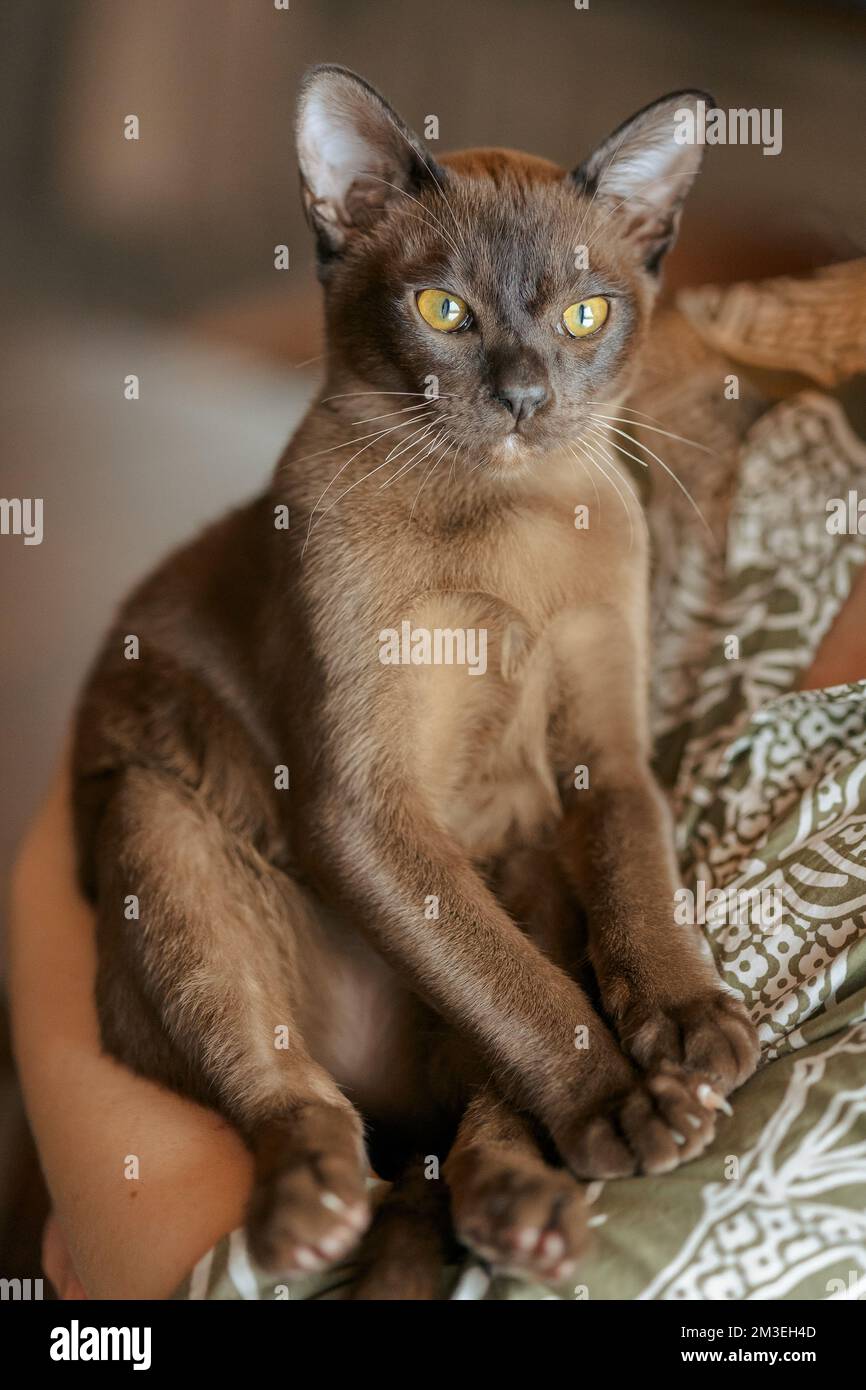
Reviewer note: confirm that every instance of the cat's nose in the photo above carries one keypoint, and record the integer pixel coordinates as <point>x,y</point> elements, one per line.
<point>522,401</point>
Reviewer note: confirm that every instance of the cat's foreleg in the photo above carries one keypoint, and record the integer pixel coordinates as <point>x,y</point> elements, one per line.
<point>534,1028</point>
<point>657,981</point>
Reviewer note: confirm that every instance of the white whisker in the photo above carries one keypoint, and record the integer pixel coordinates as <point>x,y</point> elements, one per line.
<point>343,395</point>
<point>454,461</point>
<point>637,459</point>
<point>591,478</point>
<point>438,459</point>
<point>598,183</point>
<point>404,136</point>
<point>404,410</point>
<point>607,458</point>
<point>475,467</point>
<point>308,360</point>
<point>671,474</point>
<point>582,443</point>
<point>397,189</point>
<point>374,438</point>
<point>343,494</point>
<point>403,445</point>
<point>681,438</point>
<point>416,458</point>
<point>347,444</point>
<point>617,405</point>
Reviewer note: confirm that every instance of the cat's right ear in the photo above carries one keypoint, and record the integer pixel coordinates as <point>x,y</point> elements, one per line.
<point>355,155</point>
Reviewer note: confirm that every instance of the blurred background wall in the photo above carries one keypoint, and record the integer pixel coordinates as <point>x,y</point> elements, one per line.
<point>156,257</point>
<point>187,216</point>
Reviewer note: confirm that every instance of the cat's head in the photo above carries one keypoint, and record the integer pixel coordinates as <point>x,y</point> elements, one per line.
<point>518,291</point>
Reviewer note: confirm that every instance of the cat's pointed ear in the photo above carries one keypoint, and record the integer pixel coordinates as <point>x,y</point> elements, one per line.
<point>355,155</point>
<point>645,169</point>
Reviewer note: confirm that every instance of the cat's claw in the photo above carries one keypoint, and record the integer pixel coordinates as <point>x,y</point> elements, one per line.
<point>713,1101</point>
<point>652,1127</point>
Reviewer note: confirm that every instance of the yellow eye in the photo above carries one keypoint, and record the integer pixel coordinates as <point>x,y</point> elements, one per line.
<point>586,317</point>
<point>442,310</point>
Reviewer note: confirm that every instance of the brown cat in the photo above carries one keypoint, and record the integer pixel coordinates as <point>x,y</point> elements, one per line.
<point>339,815</point>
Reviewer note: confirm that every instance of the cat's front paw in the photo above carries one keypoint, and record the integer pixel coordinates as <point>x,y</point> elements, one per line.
<point>710,1036</point>
<point>652,1127</point>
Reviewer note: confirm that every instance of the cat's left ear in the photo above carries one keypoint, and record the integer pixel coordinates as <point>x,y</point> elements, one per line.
<point>646,168</point>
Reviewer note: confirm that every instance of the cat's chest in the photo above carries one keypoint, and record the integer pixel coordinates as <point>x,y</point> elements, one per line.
<point>562,549</point>
<point>494,741</point>
<point>542,563</point>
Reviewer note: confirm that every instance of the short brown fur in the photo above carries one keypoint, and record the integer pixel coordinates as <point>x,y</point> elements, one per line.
<point>287,964</point>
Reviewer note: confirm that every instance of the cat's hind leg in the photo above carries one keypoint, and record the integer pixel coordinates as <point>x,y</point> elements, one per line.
<point>198,987</point>
<point>404,1253</point>
<point>509,1206</point>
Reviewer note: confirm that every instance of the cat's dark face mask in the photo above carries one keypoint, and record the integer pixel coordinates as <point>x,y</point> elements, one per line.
<point>511,294</point>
